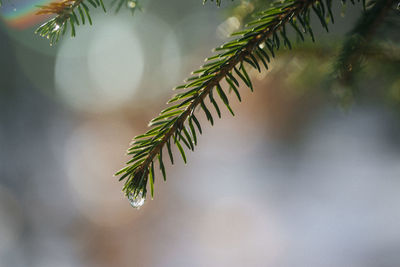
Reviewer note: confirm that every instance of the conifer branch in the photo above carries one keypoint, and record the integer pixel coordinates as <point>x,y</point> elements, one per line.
<point>359,40</point>
<point>67,12</point>
<point>251,47</point>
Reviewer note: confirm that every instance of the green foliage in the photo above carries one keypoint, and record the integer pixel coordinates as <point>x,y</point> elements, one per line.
<point>253,47</point>
<point>72,13</point>
<point>359,39</point>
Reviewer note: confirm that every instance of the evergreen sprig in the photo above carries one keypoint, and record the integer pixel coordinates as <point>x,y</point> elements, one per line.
<point>68,12</point>
<point>251,48</point>
<point>358,40</point>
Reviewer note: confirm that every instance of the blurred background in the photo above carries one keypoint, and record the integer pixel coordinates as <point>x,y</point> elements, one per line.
<point>292,180</point>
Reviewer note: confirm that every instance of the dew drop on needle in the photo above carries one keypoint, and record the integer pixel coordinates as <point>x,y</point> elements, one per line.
<point>131,4</point>
<point>136,200</point>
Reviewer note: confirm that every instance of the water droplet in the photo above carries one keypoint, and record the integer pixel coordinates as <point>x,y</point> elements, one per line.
<point>350,67</point>
<point>15,9</point>
<point>136,201</point>
<point>56,28</point>
<point>131,4</point>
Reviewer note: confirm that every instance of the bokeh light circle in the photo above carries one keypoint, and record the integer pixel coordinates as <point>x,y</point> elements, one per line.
<point>100,69</point>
